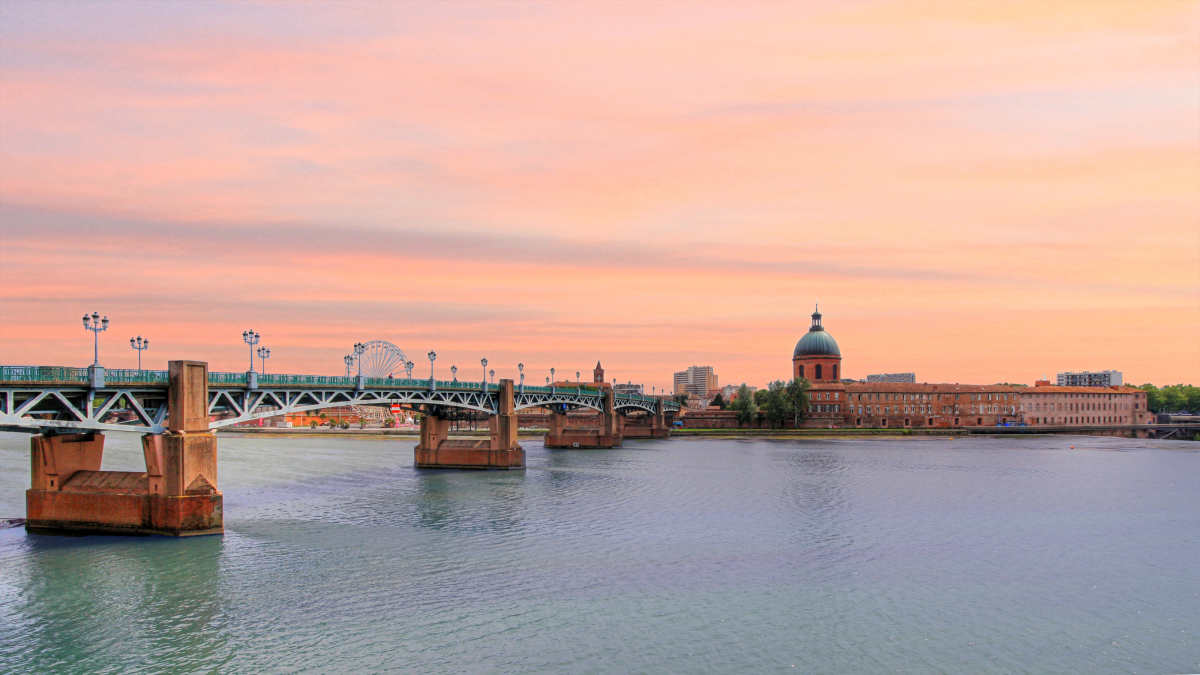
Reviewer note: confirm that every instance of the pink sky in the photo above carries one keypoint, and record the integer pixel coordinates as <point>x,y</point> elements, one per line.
<point>976,192</point>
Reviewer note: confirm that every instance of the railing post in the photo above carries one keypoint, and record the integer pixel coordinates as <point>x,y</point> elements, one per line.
<point>96,377</point>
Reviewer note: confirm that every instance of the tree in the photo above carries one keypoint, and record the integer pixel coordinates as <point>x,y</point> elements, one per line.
<point>797,394</point>
<point>719,401</point>
<point>744,406</point>
<point>681,399</point>
<point>777,403</point>
<point>761,396</point>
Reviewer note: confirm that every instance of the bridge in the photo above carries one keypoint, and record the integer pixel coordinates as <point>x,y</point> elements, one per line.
<point>40,399</point>
<point>176,410</point>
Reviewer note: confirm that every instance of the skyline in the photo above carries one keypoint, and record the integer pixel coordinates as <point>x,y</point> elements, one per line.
<point>973,192</point>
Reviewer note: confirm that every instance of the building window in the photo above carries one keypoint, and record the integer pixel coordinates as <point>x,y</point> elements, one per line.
<point>833,371</point>
<point>817,372</point>
<point>801,371</point>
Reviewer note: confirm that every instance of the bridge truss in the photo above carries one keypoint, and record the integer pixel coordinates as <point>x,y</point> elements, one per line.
<point>45,399</point>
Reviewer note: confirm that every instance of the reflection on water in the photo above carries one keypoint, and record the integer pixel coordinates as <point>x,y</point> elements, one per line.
<point>972,555</point>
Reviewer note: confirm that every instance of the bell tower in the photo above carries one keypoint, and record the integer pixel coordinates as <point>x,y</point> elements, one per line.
<point>598,374</point>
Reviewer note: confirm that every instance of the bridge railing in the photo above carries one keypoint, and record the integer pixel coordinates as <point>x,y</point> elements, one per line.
<point>134,376</point>
<point>42,374</point>
<point>226,378</point>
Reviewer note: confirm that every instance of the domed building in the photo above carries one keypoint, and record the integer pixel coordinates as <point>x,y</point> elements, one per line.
<point>817,356</point>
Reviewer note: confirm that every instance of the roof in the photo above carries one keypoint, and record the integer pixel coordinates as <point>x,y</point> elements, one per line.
<point>816,342</point>
<point>929,388</point>
<point>1081,390</point>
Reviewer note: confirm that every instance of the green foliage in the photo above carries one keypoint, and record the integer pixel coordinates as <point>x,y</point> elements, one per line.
<point>681,399</point>
<point>312,424</point>
<point>761,397</point>
<point>797,393</point>
<point>744,405</point>
<point>784,400</point>
<point>1172,398</point>
<point>719,401</point>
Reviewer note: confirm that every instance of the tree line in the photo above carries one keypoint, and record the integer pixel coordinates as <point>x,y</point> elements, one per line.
<point>779,402</point>
<point>1172,398</point>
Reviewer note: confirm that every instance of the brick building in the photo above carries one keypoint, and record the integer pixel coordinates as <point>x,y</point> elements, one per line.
<point>834,404</point>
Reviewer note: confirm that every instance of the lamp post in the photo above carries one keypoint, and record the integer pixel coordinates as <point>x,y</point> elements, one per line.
<point>97,325</point>
<point>349,361</point>
<point>139,344</point>
<point>483,362</point>
<point>264,353</point>
<point>454,372</point>
<point>359,348</point>
<point>493,371</point>
<point>408,366</point>
<point>250,338</point>
<point>521,369</point>
<point>432,357</point>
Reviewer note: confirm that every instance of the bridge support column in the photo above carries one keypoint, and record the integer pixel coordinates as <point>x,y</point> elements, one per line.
<point>176,495</point>
<point>437,450</point>
<point>608,435</point>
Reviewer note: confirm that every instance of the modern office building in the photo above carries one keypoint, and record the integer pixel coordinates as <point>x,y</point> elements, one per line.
<point>1104,378</point>
<point>902,378</point>
<point>698,380</point>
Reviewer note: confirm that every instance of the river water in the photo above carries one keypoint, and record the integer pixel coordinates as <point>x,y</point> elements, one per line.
<point>684,556</point>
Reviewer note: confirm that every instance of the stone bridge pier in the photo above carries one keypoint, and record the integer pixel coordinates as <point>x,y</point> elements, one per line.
<point>176,495</point>
<point>607,435</point>
<point>436,450</point>
<point>650,426</point>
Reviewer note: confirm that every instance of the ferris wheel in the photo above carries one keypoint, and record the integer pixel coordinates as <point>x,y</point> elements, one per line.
<point>379,358</point>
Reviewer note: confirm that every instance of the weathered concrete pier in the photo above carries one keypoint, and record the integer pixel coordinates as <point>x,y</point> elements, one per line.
<point>176,495</point>
<point>606,435</point>
<point>437,450</point>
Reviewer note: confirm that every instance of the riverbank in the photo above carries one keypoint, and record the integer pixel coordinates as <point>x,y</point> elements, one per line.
<point>413,434</point>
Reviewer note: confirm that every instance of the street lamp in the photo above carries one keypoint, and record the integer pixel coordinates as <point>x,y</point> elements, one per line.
<point>264,353</point>
<point>483,362</point>
<point>432,357</point>
<point>408,366</point>
<point>139,344</point>
<point>359,348</point>
<point>552,375</point>
<point>521,368</point>
<point>493,371</point>
<point>454,372</point>
<point>250,338</point>
<point>349,360</point>
<point>97,326</point>
<point>577,378</point>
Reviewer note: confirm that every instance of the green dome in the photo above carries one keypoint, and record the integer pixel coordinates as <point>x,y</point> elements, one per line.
<point>816,342</point>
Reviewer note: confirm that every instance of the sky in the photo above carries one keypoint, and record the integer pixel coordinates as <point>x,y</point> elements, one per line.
<point>975,192</point>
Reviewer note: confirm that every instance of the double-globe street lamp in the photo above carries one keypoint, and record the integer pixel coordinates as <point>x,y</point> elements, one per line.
<point>140,345</point>
<point>251,338</point>
<point>349,361</point>
<point>264,353</point>
<point>97,325</point>
<point>432,357</point>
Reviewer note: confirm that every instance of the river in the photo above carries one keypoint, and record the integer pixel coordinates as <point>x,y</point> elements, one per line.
<point>965,555</point>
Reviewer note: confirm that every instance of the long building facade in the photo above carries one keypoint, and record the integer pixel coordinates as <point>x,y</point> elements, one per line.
<point>837,404</point>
